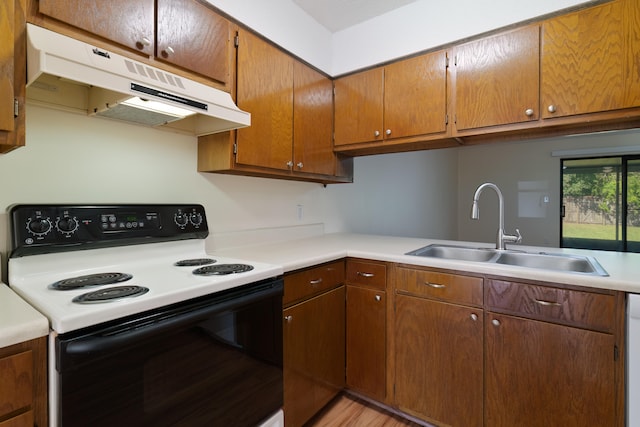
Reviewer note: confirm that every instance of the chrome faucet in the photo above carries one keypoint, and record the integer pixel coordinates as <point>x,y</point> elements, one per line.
<point>502,238</point>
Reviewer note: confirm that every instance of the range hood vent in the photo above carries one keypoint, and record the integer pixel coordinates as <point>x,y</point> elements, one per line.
<point>68,74</point>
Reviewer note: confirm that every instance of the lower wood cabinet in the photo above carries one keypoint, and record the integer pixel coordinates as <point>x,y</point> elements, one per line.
<point>553,356</point>
<point>314,340</point>
<point>23,384</point>
<point>439,347</point>
<point>366,328</point>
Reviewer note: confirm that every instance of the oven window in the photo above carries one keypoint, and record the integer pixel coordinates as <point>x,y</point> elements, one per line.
<point>222,370</point>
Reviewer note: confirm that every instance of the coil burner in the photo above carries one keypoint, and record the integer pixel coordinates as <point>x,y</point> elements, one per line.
<point>110,294</point>
<point>89,281</point>
<point>194,262</point>
<point>222,269</point>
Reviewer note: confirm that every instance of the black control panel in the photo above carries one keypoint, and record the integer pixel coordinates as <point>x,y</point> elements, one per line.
<point>38,229</point>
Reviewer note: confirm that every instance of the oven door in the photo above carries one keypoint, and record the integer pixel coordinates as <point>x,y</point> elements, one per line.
<point>215,361</point>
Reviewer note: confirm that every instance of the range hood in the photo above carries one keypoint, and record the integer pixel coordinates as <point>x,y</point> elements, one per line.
<point>72,75</point>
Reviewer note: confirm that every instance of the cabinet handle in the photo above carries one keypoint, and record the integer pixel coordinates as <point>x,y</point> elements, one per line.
<point>495,322</point>
<point>378,297</point>
<point>388,132</point>
<point>547,303</point>
<point>528,112</point>
<point>551,108</point>
<point>435,285</point>
<point>315,282</point>
<point>376,133</point>
<point>288,319</point>
<point>474,317</point>
<point>367,275</point>
<point>299,165</point>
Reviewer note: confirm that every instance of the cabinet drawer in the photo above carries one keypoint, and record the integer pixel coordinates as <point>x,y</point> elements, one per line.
<point>306,283</point>
<point>570,307</point>
<point>367,273</point>
<point>16,386</point>
<point>442,286</point>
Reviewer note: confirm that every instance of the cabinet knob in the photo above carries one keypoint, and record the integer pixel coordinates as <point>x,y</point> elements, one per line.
<point>289,164</point>
<point>144,41</point>
<point>551,108</point>
<point>168,51</point>
<point>495,322</point>
<point>378,297</point>
<point>474,317</point>
<point>528,112</point>
<point>299,165</point>
<point>288,319</point>
<point>388,132</point>
<point>376,133</point>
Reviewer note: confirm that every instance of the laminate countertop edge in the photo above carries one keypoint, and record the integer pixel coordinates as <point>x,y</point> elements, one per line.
<point>19,321</point>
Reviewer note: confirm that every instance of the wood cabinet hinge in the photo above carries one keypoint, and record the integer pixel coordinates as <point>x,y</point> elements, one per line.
<point>16,105</point>
<point>236,40</point>
<point>455,118</point>
<point>455,61</point>
<point>446,119</point>
<point>235,148</point>
<point>446,60</point>
<point>616,353</point>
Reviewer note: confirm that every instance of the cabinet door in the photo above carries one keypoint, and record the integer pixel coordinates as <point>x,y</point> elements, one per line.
<point>439,352</point>
<point>358,107</point>
<point>583,61</point>
<point>265,89</point>
<point>632,67</point>
<point>366,341</point>
<point>313,355</point>
<point>6,65</point>
<point>129,23</point>
<point>497,79</point>
<point>312,121</point>
<point>194,37</point>
<point>415,96</point>
<point>543,374</point>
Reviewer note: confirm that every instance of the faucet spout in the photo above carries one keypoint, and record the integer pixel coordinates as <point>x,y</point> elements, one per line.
<point>475,214</point>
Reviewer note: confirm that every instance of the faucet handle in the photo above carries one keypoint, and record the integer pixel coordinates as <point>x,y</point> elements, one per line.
<point>518,236</point>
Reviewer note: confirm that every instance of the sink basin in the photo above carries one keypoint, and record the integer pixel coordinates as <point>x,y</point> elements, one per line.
<point>540,260</point>
<point>462,253</point>
<point>557,262</point>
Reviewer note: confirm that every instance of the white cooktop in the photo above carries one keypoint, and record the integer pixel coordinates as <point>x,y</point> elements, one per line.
<point>151,265</point>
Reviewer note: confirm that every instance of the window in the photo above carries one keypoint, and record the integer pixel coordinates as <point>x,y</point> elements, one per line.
<point>601,203</point>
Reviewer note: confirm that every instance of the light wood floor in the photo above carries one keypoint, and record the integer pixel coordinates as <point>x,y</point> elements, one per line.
<point>347,411</point>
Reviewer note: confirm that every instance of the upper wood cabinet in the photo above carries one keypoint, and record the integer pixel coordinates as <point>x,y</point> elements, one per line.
<point>184,33</point>
<point>401,100</point>
<point>497,79</point>
<point>265,89</point>
<point>583,61</point>
<point>12,75</point>
<point>291,108</point>
<point>129,23</point>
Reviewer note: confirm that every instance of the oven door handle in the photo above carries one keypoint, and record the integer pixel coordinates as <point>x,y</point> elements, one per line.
<point>76,350</point>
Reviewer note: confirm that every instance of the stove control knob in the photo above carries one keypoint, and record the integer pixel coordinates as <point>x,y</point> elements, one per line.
<point>181,219</point>
<point>195,218</point>
<point>39,226</point>
<point>67,225</point>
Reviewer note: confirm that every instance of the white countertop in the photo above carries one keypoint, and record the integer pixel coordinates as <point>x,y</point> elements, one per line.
<point>623,268</point>
<point>19,321</point>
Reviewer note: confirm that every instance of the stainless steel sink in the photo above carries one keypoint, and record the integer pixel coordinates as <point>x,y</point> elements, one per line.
<point>540,260</point>
<point>463,253</point>
<point>556,262</point>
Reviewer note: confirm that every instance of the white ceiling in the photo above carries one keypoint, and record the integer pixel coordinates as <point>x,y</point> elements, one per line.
<point>336,15</point>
